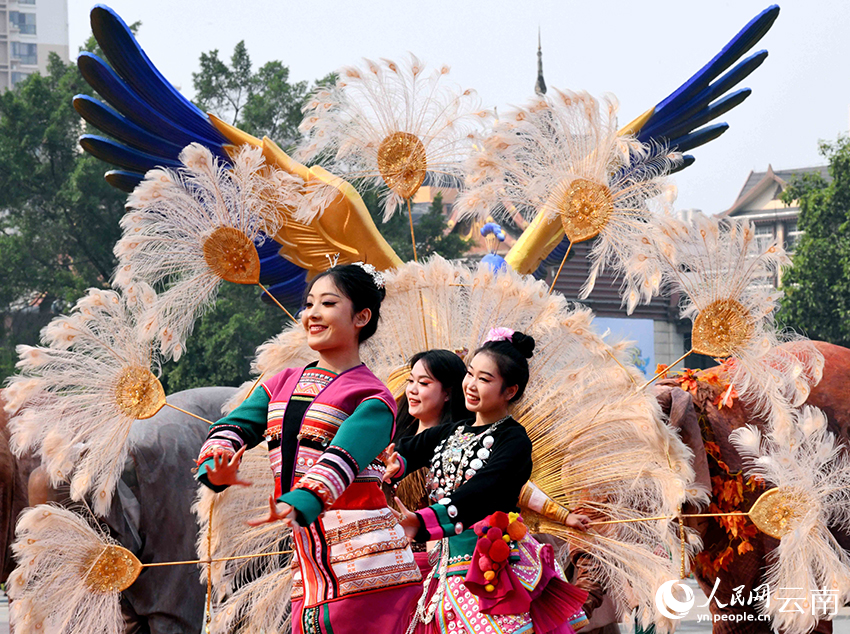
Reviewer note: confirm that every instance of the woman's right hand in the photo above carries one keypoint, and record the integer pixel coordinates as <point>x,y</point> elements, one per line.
<point>225,472</point>
<point>392,462</point>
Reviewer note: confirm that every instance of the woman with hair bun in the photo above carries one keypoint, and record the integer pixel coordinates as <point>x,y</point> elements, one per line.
<point>491,576</point>
<point>326,425</point>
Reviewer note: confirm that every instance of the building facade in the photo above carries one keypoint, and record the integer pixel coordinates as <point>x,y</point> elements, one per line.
<point>759,203</point>
<point>29,31</point>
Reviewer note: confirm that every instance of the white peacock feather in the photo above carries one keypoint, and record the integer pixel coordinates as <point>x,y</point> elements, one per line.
<point>74,400</point>
<point>727,281</point>
<point>250,594</point>
<point>811,471</point>
<point>187,230</point>
<point>68,577</point>
<point>562,156</point>
<point>390,124</point>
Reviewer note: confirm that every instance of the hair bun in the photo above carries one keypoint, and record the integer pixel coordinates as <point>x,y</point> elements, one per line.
<point>523,343</point>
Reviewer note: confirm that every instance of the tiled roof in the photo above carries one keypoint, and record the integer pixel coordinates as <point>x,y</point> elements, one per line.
<point>780,177</point>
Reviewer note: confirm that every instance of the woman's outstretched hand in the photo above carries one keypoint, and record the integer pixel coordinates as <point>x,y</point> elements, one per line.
<point>408,520</point>
<point>392,462</point>
<point>578,521</point>
<point>282,512</point>
<point>225,472</point>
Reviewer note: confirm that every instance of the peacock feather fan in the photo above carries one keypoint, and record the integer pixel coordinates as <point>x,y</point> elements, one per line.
<point>727,281</point>
<point>811,472</point>
<point>76,398</point>
<point>189,229</point>
<point>562,156</point>
<point>69,575</point>
<point>389,124</point>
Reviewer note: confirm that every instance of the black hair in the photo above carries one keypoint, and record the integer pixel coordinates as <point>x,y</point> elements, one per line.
<point>448,370</point>
<point>358,286</point>
<point>511,357</point>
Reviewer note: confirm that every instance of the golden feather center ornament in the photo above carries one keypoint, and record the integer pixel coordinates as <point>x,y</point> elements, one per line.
<point>139,393</point>
<point>402,163</point>
<point>777,511</point>
<point>110,569</point>
<point>232,256</point>
<point>584,207</point>
<point>721,328</point>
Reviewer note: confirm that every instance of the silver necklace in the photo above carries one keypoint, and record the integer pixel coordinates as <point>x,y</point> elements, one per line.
<point>458,458</point>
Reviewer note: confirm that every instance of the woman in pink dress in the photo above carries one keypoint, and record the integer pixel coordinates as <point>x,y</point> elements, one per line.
<point>326,426</point>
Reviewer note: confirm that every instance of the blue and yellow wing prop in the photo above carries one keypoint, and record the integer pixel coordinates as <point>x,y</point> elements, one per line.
<point>680,123</point>
<point>148,123</point>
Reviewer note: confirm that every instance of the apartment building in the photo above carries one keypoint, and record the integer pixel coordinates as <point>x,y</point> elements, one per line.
<point>29,31</point>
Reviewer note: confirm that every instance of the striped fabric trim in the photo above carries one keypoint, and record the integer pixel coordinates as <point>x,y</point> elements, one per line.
<point>324,413</point>
<point>330,476</point>
<point>220,440</point>
<point>276,410</point>
<point>371,549</point>
<point>346,532</point>
<point>399,476</point>
<point>321,483</point>
<point>372,473</point>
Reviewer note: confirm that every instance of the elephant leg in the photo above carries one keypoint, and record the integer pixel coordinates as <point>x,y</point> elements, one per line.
<point>133,623</point>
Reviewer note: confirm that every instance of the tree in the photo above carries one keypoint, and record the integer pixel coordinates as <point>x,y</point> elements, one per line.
<point>223,344</point>
<point>431,231</point>
<point>264,103</point>
<point>59,218</point>
<point>817,287</point>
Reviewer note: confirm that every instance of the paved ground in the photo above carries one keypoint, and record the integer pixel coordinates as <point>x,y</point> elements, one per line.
<point>841,624</point>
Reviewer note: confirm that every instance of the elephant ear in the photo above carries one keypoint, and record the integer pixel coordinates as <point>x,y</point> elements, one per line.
<point>148,123</point>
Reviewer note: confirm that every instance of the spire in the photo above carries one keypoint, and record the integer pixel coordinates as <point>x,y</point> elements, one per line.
<point>540,85</point>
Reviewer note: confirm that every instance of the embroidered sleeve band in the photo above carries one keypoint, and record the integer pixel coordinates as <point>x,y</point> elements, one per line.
<point>434,523</point>
<point>330,476</point>
<point>222,439</point>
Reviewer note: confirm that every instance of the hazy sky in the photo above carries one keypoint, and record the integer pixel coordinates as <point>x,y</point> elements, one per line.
<point>639,51</point>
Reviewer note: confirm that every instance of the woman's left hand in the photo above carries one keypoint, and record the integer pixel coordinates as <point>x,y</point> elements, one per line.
<point>282,512</point>
<point>409,520</point>
<point>578,521</point>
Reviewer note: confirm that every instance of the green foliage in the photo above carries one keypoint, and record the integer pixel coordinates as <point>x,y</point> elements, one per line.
<point>224,341</point>
<point>59,218</point>
<point>431,231</point>
<point>264,103</point>
<point>817,287</point>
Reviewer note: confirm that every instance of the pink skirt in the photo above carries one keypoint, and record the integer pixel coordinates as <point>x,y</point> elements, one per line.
<point>543,602</point>
<point>385,611</point>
